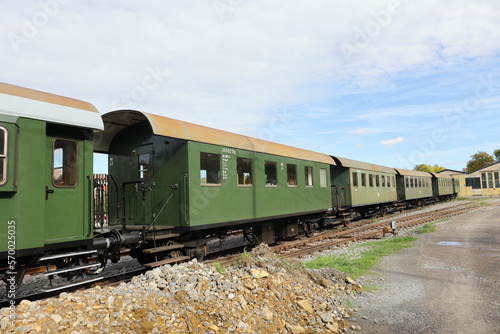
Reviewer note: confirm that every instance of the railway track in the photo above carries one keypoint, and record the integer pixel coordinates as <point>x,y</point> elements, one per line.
<point>359,230</point>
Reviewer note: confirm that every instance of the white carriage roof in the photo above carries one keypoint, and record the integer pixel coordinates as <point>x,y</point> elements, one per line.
<point>349,163</point>
<point>24,102</point>
<point>116,121</point>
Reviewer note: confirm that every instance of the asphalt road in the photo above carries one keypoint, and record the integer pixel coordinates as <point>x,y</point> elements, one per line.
<point>449,282</point>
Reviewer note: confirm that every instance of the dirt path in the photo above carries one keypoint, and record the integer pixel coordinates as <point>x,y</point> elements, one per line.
<point>449,282</point>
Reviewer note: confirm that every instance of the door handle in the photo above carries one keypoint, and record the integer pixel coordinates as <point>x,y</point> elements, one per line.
<point>47,192</point>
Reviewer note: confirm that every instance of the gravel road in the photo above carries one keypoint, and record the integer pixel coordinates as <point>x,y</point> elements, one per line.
<point>449,282</point>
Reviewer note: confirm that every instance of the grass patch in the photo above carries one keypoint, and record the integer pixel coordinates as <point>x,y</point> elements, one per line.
<point>219,268</point>
<point>427,228</point>
<point>357,267</point>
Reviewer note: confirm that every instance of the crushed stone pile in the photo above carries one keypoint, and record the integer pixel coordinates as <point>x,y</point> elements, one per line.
<point>261,294</point>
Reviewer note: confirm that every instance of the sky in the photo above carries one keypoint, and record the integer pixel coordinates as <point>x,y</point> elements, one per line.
<point>394,82</point>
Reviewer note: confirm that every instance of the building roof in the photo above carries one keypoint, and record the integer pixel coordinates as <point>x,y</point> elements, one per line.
<point>349,163</point>
<point>116,121</point>
<point>24,102</point>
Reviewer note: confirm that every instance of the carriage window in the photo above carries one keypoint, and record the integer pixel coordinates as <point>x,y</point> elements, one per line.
<point>271,174</point>
<point>383,180</point>
<point>370,180</point>
<point>144,166</point>
<point>322,178</point>
<point>291,171</point>
<point>363,179</point>
<point>210,169</point>
<point>407,182</point>
<point>377,180</point>
<point>3,156</point>
<point>354,179</point>
<point>244,167</point>
<point>65,163</point>
<point>309,176</point>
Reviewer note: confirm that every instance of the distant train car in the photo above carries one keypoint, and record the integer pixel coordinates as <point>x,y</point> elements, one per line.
<point>197,182</point>
<point>361,186</point>
<point>443,186</point>
<point>414,187</point>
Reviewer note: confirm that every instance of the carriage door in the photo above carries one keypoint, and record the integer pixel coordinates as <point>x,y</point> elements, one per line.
<point>65,189</point>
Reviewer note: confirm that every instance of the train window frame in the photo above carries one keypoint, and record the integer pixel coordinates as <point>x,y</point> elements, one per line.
<point>144,163</point>
<point>323,178</point>
<point>244,172</point>
<point>370,180</point>
<point>363,179</point>
<point>355,180</point>
<point>210,169</point>
<point>388,181</point>
<point>407,182</point>
<point>271,173</point>
<point>382,181</point>
<point>4,152</point>
<point>309,176</point>
<point>377,181</point>
<point>291,175</point>
<point>65,163</point>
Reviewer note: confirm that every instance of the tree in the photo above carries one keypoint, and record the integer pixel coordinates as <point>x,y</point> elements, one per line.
<point>496,153</point>
<point>479,160</point>
<point>428,168</point>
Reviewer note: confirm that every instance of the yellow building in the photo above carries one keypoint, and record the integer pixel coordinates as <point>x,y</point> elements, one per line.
<point>482,182</point>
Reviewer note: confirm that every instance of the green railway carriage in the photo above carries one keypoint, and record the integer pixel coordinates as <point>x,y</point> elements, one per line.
<point>362,186</point>
<point>46,152</point>
<point>198,179</point>
<point>443,186</point>
<point>415,187</point>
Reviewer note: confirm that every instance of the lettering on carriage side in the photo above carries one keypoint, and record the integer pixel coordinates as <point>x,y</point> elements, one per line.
<point>226,156</point>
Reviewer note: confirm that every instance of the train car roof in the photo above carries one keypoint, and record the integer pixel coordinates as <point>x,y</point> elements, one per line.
<point>443,176</point>
<point>406,172</point>
<point>349,163</point>
<point>29,103</point>
<point>116,121</point>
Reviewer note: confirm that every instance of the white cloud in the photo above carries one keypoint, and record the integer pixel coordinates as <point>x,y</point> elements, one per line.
<point>361,131</point>
<point>392,142</point>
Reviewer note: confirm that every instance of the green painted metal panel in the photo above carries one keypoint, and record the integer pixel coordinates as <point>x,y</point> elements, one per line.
<point>26,206</point>
<point>230,202</point>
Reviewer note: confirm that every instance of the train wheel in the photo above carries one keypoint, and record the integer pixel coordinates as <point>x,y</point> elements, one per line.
<point>309,229</point>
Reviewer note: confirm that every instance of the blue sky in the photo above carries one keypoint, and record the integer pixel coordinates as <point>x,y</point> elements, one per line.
<point>396,83</point>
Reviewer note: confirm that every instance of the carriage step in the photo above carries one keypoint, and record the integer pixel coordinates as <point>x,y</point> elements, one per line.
<point>162,236</point>
<point>148,228</point>
<point>167,261</point>
<point>62,255</point>
<point>67,286</point>
<point>162,249</point>
<point>66,270</point>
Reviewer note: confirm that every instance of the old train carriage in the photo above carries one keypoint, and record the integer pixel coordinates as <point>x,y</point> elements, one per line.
<point>196,182</point>
<point>443,186</point>
<point>46,151</point>
<point>414,187</point>
<point>362,186</point>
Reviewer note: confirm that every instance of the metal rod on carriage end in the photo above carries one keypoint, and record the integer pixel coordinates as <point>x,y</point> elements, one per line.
<point>124,184</point>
